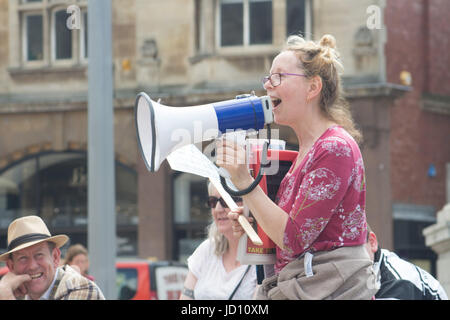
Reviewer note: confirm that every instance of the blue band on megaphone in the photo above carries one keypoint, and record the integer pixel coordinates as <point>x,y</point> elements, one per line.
<point>245,113</point>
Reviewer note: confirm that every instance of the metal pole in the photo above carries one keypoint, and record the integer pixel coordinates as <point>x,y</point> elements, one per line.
<point>101,177</point>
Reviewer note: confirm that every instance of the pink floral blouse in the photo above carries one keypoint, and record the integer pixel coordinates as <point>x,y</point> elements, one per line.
<point>325,198</point>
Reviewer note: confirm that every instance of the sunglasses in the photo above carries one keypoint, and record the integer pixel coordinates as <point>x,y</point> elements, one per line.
<point>212,201</point>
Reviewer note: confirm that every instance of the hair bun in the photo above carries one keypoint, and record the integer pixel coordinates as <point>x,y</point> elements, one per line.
<point>328,41</point>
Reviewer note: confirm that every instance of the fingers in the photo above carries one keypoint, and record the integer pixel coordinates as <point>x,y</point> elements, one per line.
<point>233,215</point>
<point>232,157</point>
<point>229,157</point>
<point>22,279</point>
<point>21,291</point>
<point>16,280</point>
<point>15,284</point>
<point>229,153</point>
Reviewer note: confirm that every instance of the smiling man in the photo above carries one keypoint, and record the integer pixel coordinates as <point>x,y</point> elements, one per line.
<point>33,258</point>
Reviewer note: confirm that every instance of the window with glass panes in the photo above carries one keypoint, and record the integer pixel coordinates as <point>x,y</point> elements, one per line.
<point>295,17</point>
<point>62,36</point>
<point>61,43</point>
<point>245,22</point>
<point>53,185</point>
<point>33,41</point>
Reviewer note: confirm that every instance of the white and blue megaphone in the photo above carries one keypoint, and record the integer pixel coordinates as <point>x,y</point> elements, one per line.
<point>157,123</point>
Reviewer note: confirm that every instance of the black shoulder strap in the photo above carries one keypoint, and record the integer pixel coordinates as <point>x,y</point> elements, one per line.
<point>237,287</point>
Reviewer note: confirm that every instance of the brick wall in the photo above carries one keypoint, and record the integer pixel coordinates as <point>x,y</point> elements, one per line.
<point>418,138</point>
<point>439,45</point>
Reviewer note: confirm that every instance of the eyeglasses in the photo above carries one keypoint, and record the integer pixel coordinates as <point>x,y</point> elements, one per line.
<point>275,78</point>
<point>212,201</point>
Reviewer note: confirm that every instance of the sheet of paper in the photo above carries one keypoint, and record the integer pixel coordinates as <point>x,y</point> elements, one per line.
<point>192,160</point>
<point>189,159</point>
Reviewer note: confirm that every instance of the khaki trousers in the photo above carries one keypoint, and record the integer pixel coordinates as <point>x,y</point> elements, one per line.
<point>342,274</point>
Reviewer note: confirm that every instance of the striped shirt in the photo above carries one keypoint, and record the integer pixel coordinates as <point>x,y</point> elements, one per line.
<point>402,280</point>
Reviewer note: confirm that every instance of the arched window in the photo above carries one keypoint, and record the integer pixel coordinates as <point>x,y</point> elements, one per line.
<point>54,186</point>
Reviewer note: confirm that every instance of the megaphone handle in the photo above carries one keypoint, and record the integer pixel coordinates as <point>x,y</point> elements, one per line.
<point>251,233</point>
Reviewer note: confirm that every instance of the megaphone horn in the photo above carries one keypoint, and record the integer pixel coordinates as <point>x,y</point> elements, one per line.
<point>157,123</point>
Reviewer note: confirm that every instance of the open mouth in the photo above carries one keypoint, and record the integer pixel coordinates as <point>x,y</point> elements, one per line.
<point>36,276</point>
<point>276,102</point>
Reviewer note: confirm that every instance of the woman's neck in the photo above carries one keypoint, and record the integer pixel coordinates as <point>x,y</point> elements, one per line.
<point>309,134</point>
<point>230,261</point>
<point>308,131</point>
<point>311,126</point>
<point>233,243</point>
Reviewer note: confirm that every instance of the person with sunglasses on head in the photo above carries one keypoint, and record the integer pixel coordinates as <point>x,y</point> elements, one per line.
<point>214,272</point>
<point>318,219</point>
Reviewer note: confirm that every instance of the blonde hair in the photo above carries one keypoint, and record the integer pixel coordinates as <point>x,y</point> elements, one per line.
<point>219,240</point>
<point>322,59</point>
<point>221,244</point>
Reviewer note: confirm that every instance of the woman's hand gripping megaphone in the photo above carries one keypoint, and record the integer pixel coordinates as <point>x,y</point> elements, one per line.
<point>231,158</point>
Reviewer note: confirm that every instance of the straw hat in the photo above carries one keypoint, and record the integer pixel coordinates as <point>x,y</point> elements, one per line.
<point>28,231</point>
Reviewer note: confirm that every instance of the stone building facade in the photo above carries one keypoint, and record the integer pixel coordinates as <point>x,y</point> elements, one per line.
<point>189,53</point>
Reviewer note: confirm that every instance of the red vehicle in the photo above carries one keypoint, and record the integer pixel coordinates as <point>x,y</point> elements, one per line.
<point>146,280</point>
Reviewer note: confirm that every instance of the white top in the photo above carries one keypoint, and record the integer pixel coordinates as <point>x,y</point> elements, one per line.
<point>213,282</point>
